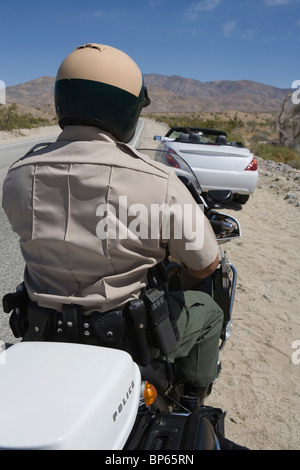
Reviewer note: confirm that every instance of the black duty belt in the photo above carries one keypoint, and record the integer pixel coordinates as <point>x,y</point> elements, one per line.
<point>141,322</point>
<point>71,325</point>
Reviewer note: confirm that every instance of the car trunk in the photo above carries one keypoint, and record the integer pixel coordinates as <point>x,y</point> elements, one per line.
<point>214,156</point>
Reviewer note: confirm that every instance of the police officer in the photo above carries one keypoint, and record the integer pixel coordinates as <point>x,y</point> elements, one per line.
<point>82,207</point>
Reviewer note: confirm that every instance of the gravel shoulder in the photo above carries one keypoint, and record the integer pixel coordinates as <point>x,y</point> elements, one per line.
<point>259,385</point>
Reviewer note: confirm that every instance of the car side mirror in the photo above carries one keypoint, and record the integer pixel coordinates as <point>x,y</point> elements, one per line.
<point>157,137</point>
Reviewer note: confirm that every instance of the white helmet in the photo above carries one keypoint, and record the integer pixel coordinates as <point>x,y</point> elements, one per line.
<point>101,86</point>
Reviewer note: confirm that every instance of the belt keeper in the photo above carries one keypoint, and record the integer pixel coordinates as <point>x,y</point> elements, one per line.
<point>70,322</point>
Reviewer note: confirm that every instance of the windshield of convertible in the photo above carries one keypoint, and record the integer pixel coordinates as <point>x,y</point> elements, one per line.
<point>198,135</point>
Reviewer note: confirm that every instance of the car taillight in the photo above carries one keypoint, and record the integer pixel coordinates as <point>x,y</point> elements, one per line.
<point>171,159</point>
<point>252,165</point>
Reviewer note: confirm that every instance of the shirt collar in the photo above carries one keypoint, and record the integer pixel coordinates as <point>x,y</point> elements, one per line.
<point>85,133</point>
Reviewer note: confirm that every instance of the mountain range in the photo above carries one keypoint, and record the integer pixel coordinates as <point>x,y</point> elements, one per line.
<point>173,94</point>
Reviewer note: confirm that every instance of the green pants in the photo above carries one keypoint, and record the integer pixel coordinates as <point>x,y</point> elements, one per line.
<point>199,321</point>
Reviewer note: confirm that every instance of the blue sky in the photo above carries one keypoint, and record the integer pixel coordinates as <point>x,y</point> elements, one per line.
<point>206,40</point>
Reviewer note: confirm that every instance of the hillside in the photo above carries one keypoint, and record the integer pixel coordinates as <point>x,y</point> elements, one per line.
<point>37,93</point>
<point>171,94</point>
<point>178,94</point>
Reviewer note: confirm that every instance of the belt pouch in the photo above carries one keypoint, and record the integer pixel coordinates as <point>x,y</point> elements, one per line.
<point>108,327</point>
<point>17,303</point>
<point>137,316</point>
<point>161,326</point>
<point>41,323</point>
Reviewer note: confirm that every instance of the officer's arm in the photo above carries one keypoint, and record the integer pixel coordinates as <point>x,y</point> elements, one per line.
<point>206,271</point>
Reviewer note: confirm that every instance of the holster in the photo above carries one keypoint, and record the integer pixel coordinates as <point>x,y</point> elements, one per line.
<point>160,325</point>
<point>137,328</point>
<point>16,303</point>
<point>150,325</point>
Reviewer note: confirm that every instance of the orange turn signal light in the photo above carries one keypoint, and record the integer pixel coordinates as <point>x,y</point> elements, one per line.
<point>150,394</point>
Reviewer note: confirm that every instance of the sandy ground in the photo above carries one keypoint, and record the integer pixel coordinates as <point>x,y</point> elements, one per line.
<point>19,134</point>
<point>259,383</point>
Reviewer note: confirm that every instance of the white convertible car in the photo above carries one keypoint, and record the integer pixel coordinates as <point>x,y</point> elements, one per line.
<point>218,164</point>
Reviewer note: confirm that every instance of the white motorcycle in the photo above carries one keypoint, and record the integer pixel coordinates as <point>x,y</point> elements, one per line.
<point>57,395</point>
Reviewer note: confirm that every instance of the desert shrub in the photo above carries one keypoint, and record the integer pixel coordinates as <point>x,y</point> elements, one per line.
<point>11,119</point>
<point>277,154</point>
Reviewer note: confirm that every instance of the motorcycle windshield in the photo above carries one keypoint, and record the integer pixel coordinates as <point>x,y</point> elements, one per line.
<point>172,159</point>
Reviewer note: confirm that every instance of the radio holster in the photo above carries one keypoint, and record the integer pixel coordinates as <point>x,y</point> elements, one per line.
<point>161,330</point>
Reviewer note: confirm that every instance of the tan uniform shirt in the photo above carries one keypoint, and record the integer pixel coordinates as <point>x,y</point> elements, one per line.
<point>88,211</point>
